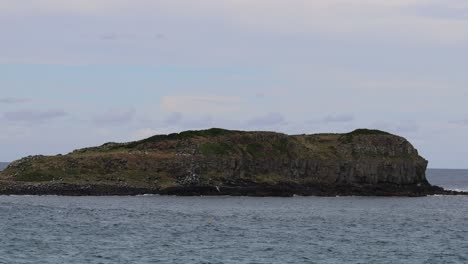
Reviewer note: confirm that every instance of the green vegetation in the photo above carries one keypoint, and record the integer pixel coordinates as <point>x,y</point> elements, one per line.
<point>213,132</point>
<point>186,135</point>
<point>363,131</point>
<point>281,146</point>
<point>216,148</point>
<point>35,176</point>
<point>255,149</point>
<point>348,138</point>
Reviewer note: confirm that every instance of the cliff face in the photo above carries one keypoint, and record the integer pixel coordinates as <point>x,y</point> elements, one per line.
<point>223,159</point>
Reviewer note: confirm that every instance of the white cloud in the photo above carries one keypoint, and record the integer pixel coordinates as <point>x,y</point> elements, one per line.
<point>268,120</point>
<point>174,118</point>
<point>34,115</point>
<point>461,122</point>
<point>200,104</point>
<point>12,100</point>
<point>49,6</point>
<point>338,119</point>
<point>115,116</point>
<point>13,132</point>
<point>344,17</point>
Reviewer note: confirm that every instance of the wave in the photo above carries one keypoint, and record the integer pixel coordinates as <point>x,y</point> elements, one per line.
<point>457,189</point>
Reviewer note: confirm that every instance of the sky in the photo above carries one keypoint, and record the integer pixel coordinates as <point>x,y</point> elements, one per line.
<point>81,73</point>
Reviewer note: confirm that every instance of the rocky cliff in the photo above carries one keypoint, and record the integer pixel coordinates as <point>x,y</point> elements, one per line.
<point>217,161</point>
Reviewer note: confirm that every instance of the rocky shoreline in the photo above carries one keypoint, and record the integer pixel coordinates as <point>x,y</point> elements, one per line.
<point>283,190</point>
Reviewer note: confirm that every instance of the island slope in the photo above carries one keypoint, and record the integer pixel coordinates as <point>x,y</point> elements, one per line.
<point>226,162</point>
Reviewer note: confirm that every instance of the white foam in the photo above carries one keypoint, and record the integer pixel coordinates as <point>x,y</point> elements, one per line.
<point>459,190</point>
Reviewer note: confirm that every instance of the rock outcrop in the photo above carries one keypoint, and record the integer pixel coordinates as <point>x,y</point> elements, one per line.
<point>224,162</point>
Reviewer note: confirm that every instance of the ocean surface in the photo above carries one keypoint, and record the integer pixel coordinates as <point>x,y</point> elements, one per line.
<point>159,229</point>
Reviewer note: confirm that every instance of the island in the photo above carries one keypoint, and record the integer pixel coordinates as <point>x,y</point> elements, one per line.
<point>226,162</point>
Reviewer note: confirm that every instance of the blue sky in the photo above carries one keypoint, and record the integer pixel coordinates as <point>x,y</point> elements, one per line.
<point>81,73</point>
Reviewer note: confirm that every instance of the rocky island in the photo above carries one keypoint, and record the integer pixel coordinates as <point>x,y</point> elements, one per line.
<point>225,162</point>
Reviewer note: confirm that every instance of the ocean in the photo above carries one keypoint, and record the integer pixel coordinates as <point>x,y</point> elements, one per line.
<point>165,229</point>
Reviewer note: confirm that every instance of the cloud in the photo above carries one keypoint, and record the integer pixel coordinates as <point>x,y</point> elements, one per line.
<point>200,123</point>
<point>461,122</point>
<point>333,119</point>
<point>200,104</point>
<point>111,36</point>
<point>115,116</point>
<point>365,21</point>
<point>34,115</point>
<point>441,11</point>
<point>337,119</point>
<point>407,127</point>
<point>131,36</point>
<point>260,95</point>
<point>10,132</point>
<point>346,18</point>
<point>268,120</point>
<point>279,16</point>
<point>174,118</point>
<point>179,121</point>
<point>12,100</point>
<point>57,6</point>
<point>159,36</point>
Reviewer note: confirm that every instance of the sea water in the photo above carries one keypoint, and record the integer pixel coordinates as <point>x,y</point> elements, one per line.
<point>161,229</point>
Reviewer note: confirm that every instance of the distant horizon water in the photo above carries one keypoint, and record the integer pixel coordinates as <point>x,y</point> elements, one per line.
<point>450,179</point>
<point>172,229</point>
<point>225,229</point>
